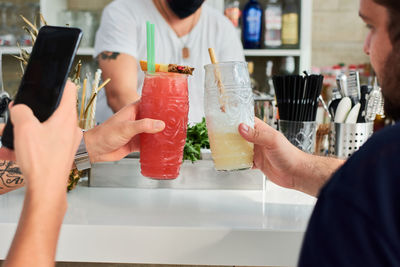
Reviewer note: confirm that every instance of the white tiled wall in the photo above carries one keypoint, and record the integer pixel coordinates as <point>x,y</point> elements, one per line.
<point>338,33</point>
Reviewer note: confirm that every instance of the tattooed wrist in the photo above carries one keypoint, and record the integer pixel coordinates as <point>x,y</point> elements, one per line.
<point>108,55</point>
<point>10,175</point>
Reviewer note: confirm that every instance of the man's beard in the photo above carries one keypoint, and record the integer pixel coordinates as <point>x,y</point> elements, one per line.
<point>390,80</point>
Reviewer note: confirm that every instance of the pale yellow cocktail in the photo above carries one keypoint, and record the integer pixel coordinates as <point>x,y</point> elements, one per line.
<point>230,151</point>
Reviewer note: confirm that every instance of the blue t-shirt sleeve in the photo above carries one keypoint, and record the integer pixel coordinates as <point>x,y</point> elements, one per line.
<point>356,221</point>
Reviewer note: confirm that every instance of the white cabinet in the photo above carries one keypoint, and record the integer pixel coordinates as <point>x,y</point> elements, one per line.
<point>51,10</point>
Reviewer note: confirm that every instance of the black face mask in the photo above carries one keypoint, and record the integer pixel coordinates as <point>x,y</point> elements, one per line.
<point>184,8</point>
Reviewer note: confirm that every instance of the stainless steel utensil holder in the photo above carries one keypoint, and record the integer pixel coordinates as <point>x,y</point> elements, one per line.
<point>347,138</point>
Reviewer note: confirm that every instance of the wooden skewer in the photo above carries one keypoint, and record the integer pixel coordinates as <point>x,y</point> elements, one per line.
<point>23,53</point>
<point>218,78</point>
<point>78,70</point>
<point>93,104</point>
<point>30,24</point>
<point>19,58</point>
<point>103,84</point>
<point>31,34</point>
<point>42,20</point>
<point>35,20</point>
<point>212,56</point>
<point>83,98</point>
<point>94,96</point>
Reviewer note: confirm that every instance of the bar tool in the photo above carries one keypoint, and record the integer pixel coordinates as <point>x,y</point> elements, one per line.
<point>341,81</point>
<point>353,86</point>
<point>374,103</point>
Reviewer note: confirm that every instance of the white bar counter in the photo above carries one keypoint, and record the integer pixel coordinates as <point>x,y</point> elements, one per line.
<point>170,226</point>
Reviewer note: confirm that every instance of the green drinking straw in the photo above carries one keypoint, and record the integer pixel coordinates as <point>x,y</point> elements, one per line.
<point>150,47</point>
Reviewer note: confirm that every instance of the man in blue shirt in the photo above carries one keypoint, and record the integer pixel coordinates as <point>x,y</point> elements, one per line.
<point>356,221</point>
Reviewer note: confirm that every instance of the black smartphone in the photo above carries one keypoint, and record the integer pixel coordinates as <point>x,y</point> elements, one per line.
<point>45,75</point>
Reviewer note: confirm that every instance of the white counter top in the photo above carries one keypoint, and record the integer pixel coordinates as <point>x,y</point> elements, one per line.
<point>166,226</point>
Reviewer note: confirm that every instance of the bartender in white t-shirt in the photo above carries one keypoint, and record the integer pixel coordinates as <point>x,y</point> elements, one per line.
<point>185,29</point>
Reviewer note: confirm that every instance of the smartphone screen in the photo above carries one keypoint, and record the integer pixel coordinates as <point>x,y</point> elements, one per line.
<point>45,75</point>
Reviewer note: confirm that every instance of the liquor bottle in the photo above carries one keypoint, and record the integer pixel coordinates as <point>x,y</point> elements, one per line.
<point>252,15</point>
<point>273,24</point>
<point>232,12</point>
<point>269,84</point>
<point>254,84</point>
<point>290,24</point>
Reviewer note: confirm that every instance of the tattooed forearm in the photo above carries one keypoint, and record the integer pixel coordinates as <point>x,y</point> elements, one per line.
<point>10,177</point>
<point>108,55</point>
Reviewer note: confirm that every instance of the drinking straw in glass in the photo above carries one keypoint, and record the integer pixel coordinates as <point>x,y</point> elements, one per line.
<point>150,47</point>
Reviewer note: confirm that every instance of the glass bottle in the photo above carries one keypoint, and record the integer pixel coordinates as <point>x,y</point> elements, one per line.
<point>290,24</point>
<point>252,15</point>
<point>273,24</point>
<point>269,84</point>
<point>232,12</point>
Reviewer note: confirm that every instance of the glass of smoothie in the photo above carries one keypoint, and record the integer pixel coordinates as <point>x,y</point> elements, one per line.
<point>164,97</point>
<point>228,101</point>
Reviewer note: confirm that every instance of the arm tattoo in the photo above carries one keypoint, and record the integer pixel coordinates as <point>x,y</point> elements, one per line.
<point>109,55</point>
<point>10,176</point>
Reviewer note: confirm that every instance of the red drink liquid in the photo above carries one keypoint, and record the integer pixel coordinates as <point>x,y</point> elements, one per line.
<point>164,97</point>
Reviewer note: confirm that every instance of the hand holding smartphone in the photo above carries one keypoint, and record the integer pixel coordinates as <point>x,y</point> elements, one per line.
<point>45,76</point>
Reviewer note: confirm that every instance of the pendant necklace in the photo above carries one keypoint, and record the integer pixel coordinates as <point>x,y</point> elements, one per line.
<point>185,49</point>
<point>185,52</point>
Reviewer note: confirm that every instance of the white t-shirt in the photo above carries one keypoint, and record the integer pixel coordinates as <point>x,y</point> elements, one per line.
<point>123,30</point>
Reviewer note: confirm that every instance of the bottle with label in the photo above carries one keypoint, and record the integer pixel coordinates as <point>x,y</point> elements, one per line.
<point>273,24</point>
<point>232,12</point>
<point>290,24</point>
<point>254,84</point>
<point>252,21</point>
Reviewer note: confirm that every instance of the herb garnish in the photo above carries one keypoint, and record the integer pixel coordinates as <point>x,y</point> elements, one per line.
<point>197,138</point>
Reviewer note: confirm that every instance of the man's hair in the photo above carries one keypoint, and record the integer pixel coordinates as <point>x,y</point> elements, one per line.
<point>393,7</point>
<point>390,78</point>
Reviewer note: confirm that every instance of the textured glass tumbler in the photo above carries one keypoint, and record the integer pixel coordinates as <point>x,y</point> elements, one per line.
<point>228,101</point>
<point>300,133</point>
<point>165,98</point>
